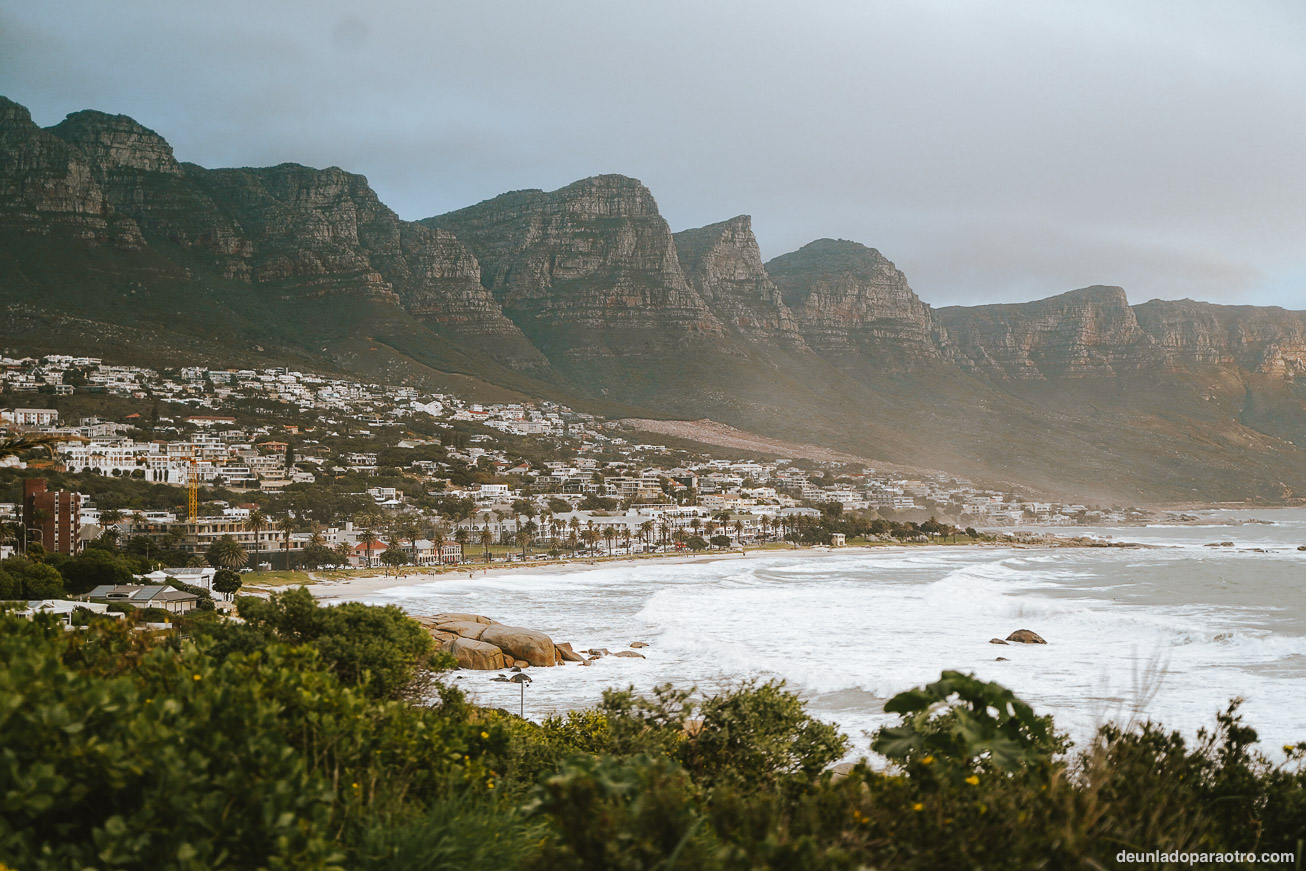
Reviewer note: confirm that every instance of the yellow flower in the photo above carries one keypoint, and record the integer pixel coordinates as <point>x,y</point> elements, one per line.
<point>355,786</point>
<point>1287,748</point>
<point>973,780</point>
<point>928,760</point>
<point>197,677</point>
<point>485,734</point>
<point>918,807</point>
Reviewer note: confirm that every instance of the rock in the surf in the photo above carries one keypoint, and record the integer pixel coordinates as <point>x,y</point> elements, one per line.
<point>996,641</point>
<point>1026,636</point>
<point>476,654</point>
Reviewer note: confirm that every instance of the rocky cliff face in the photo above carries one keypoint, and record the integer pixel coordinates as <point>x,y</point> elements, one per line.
<point>291,230</point>
<point>1095,333</point>
<point>850,302</point>
<point>587,271</point>
<point>1085,333</point>
<point>1270,341</point>
<point>48,187</point>
<point>114,142</point>
<point>723,263</point>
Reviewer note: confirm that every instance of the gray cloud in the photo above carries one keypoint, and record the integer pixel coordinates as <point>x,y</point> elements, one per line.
<point>995,150</point>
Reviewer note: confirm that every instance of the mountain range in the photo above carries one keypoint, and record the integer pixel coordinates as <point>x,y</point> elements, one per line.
<point>110,245</point>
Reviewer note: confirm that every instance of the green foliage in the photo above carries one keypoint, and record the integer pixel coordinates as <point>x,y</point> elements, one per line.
<point>963,721</point>
<point>120,752</point>
<point>226,553</point>
<point>226,581</point>
<point>22,578</point>
<point>377,649</point>
<point>93,567</point>
<point>613,814</point>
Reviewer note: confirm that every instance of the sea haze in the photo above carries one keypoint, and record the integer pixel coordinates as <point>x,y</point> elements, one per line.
<point>1170,632</point>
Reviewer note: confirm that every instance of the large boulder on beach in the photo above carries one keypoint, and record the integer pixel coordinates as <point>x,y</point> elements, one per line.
<point>534,647</point>
<point>565,651</point>
<point>1026,636</point>
<point>476,654</point>
<point>464,628</point>
<point>453,617</point>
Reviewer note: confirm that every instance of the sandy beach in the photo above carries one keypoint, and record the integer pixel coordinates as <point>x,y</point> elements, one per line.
<point>342,589</point>
<point>354,587</point>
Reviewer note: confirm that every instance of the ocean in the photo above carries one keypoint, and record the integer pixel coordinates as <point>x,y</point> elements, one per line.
<point>1171,632</point>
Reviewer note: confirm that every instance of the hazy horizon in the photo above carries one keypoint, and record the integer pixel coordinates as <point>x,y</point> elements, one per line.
<point>996,152</point>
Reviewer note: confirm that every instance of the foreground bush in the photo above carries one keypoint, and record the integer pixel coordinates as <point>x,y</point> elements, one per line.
<point>121,752</point>
<point>274,745</point>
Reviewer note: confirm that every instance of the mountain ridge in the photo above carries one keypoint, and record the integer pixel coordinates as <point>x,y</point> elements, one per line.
<point>584,294</point>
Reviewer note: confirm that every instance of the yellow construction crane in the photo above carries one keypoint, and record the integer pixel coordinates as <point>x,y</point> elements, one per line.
<point>193,485</point>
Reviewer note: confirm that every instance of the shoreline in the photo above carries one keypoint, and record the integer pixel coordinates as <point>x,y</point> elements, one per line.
<point>347,588</point>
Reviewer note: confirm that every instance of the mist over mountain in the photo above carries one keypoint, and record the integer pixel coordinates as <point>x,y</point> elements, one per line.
<point>109,245</point>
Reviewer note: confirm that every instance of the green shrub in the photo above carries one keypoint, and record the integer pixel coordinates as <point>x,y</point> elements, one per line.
<point>125,752</point>
<point>377,648</point>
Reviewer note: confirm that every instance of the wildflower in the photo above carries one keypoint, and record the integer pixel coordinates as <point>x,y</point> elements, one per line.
<point>485,734</point>
<point>928,760</point>
<point>918,807</point>
<point>973,780</point>
<point>197,677</point>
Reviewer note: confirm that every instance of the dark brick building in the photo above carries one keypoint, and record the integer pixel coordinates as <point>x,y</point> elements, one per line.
<point>52,517</point>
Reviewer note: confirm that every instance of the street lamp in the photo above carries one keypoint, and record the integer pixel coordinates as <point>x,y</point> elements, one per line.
<point>521,679</point>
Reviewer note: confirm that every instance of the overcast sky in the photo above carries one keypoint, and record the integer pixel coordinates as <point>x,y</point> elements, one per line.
<point>996,151</point>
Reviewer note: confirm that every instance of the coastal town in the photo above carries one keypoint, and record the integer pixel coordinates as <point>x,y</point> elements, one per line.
<point>432,475</point>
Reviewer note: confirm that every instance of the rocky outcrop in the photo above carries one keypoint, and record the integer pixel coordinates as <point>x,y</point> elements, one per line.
<point>476,654</point>
<point>1266,340</point>
<point>523,644</point>
<point>114,142</point>
<point>47,186</point>
<point>587,271</point>
<point>722,261</point>
<point>1026,636</point>
<point>1085,333</point>
<point>478,642</point>
<point>848,299</point>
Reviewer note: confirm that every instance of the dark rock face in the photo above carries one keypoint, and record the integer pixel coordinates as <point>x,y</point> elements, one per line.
<point>1086,333</point>
<point>849,299</point>
<point>1266,340</point>
<point>46,186</point>
<point>113,142</point>
<point>723,263</point>
<point>587,271</point>
<point>291,230</point>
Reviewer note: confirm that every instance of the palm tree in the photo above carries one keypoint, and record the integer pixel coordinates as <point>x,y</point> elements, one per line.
<point>523,540</point>
<point>625,538</point>
<point>409,528</point>
<point>609,535</point>
<point>462,535</point>
<point>344,552</point>
<point>286,525</point>
<point>368,538</point>
<point>437,538</point>
<point>256,523</point>
<point>226,553</point>
<point>590,536</point>
<point>646,531</point>
<point>665,529</point>
<point>486,538</point>
<point>739,532</point>
<point>14,444</point>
